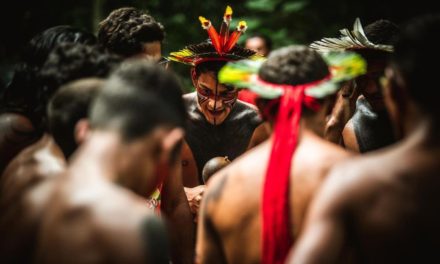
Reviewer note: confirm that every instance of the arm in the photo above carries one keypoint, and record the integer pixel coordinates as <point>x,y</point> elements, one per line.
<point>209,248</point>
<point>190,175</point>
<point>176,209</point>
<point>349,137</point>
<point>261,133</point>
<point>342,112</point>
<point>324,236</point>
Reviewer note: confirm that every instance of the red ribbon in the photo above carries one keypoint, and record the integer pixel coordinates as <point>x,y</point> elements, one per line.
<point>276,231</point>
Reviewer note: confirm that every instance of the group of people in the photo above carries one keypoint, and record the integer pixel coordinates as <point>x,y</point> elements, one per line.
<point>323,153</point>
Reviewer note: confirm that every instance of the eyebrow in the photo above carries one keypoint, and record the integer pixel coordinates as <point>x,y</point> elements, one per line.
<point>203,86</point>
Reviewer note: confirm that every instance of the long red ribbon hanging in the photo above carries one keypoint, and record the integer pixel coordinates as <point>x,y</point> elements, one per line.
<point>276,229</point>
<point>276,232</point>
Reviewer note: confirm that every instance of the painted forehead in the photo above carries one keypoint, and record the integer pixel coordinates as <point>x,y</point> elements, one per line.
<point>220,87</point>
<point>209,80</point>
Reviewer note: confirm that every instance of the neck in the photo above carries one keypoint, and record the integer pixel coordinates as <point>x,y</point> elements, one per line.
<point>422,130</point>
<point>418,125</point>
<point>97,157</point>
<point>307,127</point>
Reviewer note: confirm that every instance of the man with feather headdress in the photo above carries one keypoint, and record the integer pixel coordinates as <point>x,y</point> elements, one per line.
<point>219,124</point>
<point>359,120</point>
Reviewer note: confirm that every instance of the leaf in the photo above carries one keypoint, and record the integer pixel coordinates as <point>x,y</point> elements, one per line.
<point>294,6</point>
<point>262,5</point>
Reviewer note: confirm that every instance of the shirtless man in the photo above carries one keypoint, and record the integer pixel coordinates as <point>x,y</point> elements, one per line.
<point>28,178</point>
<point>219,124</point>
<point>381,208</point>
<point>360,121</point>
<point>231,214</point>
<point>90,217</point>
<point>172,201</point>
<point>21,109</point>
<point>22,183</point>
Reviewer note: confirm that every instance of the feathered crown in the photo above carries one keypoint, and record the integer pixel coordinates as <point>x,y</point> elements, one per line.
<point>349,40</point>
<point>222,47</point>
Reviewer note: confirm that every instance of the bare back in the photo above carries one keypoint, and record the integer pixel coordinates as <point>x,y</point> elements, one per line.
<point>24,189</point>
<point>232,207</point>
<point>94,221</point>
<point>395,211</point>
<point>381,208</point>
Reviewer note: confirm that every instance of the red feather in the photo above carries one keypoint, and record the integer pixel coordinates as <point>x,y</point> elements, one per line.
<point>212,33</point>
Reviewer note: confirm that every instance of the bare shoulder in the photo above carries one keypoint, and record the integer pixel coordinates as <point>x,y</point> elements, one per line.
<point>358,177</point>
<point>189,98</point>
<point>40,160</point>
<point>250,163</point>
<point>239,182</point>
<point>16,125</point>
<point>131,230</point>
<point>261,133</point>
<point>349,137</point>
<point>104,220</point>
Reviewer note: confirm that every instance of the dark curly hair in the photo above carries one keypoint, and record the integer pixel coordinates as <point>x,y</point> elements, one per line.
<point>293,65</point>
<point>69,62</point>
<point>126,29</point>
<point>20,95</point>
<point>381,31</point>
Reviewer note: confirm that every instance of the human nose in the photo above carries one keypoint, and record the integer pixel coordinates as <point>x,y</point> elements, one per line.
<point>215,103</point>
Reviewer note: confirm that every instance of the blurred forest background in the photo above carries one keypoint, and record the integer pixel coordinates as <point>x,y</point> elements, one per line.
<point>285,21</point>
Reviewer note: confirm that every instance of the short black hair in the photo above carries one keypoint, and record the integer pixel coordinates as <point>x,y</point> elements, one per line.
<point>126,29</point>
<point>382,31</point>
<point>414,60</point>
<point>138,97</point>
<point>293,65</point>
<point>67,106</point>
<point>266,38</point>
<point>69,62</point>
<point>42,44</point>
<point>21,93</point>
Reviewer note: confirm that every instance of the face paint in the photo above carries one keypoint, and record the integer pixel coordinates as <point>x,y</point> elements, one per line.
<point>215,100</point>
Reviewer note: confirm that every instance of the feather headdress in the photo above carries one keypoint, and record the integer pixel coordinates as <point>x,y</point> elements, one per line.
<point>221,46</point>
<point>349,40</point>
<point>342,65</point>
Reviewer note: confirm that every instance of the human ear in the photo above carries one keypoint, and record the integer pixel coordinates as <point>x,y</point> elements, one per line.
<point>82,129</point>
<point>194,77</point>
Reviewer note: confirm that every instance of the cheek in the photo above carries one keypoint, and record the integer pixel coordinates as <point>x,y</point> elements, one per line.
<point>202,100</point>
<point>229,103</point>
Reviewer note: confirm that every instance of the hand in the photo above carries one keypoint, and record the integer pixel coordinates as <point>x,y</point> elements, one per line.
<point>194,196</point>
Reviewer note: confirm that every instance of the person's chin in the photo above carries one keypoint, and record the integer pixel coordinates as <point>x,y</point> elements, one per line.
<point>216,118</point>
